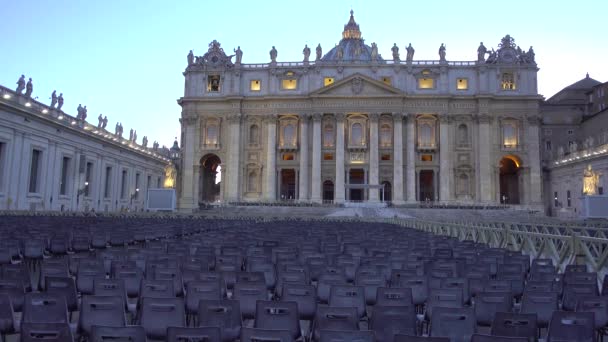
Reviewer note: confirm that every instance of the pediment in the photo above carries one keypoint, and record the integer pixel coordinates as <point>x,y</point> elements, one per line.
<point>357,85</point>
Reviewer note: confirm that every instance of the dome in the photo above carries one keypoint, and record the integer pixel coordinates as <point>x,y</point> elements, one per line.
<point>352,47</point>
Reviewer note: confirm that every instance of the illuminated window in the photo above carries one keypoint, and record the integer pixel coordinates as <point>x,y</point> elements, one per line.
<point>385,135</point>
<point>426,134</point>
<point>328,81</point>
<point>508,81</point>
<point>387,80</point>
<point>328,156</point>
<point>509,134</point>
<point>211,135</point>
<point>289,84</point>
<point>289,135</point>
<point>386,156</point>
<point>426,157</point>
<point>213,83</point>
<point>328,135</point>
<point>254,134</point>
<point>255,85</point>
<point>462,84</point>
<point>288,156</point>
<point>426,83</point>
<point>356,137</point>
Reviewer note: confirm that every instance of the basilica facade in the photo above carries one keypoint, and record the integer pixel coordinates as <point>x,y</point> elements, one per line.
<point>350,125</point>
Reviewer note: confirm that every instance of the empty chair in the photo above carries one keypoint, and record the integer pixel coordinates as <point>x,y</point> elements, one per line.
<point>200,290</point>
<point>52,268</point>
<point>87,272</point>
<point>394,296</point>
<point>304,295</point>
<point>419,286</point>
<point>15,291</point>
<point>223,314</point>
<point>447,298</point>
<point>7,321</point>
<point>110,287</point>
<point>289,277</point>
<point>596,304</point>
<point>347,336</point>
<point>370,284</point>
<point>43,307</point>
<point>111,334</point>
<point>457,283</point>
<point>543,304</point>
<point>132,277</point>
<point>408,338</point>
<point>492,338</point>
<point>101,310</point>
<point>515,325</point>
<point>156,289</point>
<point>348,296</point>
<point>248,294</point>
<point>206,334</point>
<point>487,304</point>
<point>326,281</point>
<point>278,316</point>
<point>572,292</point>
<point>16,272</point>
<point>571,326</point>
<point>456,323</point>
<point>157,314</point>
<point>172,274</point>
<point>387,321</point>
<point>332,318</point>
<point>493,285</point>
<point>263,335</point>
<point>46,332</point>
<point>64,286</point>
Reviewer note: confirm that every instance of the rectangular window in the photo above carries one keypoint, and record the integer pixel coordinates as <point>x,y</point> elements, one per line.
<point>148,182</point>
<point>387,80</point>
<point>2,162</point>
<point>386,157</point>
<point>600,190</point>
<point>123,184</point>
<point>88,178</point>
<point>555,201</point>
<point>570,132</point>
<point>35,171</point>
<point>213,83</point>
<point>568,198</point>
<point>548,145</point>
<point>508,81</point>
<point>255,85</point>
<point>137,186</point>
<point>328,81</point>
<point>328,156</point>
<point>426,157</point>
<point>158,182</point>
<point>426,83</point>
<point>288,156</point>
<point>462,84</point>
<point>65,169</point>
<point>108,183</point>
<point>289,84</point>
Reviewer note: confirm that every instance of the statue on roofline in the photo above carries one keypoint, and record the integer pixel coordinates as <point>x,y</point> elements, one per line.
<point>410,53</point>
<point>481,52</point>
<point>239,55</point>
<point>306,53</point>
<point>273,55</point>
<point>591,180</point>
<point>20,84</point>
<point>53,99</point>
<point>395,51</point>
<point>442,53</point>
<point>319,52</point>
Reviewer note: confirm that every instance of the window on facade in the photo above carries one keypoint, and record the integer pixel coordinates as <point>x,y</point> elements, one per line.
<point>88,178</point>
<point>386,156</point>
<point>328,135</point>
<point>65,169</point>
<point>555,199</point>
<point>289,135</point>
<point>426,157</point>
<point>254,134</point>
<point>463,184</point>
<point>35,169</point>
<point>2,163</point>
<point>148,182</point>
<point>107,191</point>
<point>328,156</point>
<point>289,84</point>
<point>568,198</point>
<point>570,132</point>
<point>255,85</point>
<point>426,137</point>
<point>158,182</point>
<point>328,81</point>
<point>356,137</point>
<point>211,135</point>
<point>213,83</point>
<point>252,182</point>
<point>385,135</point>
<point>387,80</point>
<point>288,156</point>
<point>463,135</point>
<point>123,184</point>
<point>548,145</point>
<point>137,185</point>
<point>509,134</point>
<point>462,84</point>
<point>426,83</point>
<point>508,81</point>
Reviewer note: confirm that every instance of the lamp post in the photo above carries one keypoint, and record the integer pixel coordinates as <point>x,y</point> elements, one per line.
<point>81,191</point>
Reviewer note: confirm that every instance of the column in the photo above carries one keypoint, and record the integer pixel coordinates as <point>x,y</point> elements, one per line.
<point>316,158</point>
<point>411,159</point>
<point>233,177</point>
<point>485,162</point>
<point>188,199</point>
<point>535,188</point>
<point>339,186</point>
<point>445,162</point>
<point>271,158</point>
<point>374,169</point>
<point>303,181</point>
<point>397,158</point>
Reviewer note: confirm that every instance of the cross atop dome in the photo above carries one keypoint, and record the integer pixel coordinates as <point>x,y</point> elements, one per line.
<point>351,30</point>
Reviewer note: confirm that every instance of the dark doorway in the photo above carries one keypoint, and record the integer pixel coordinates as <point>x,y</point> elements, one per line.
<point>509,180</point>
<point>356,176</point>
<point>426,183</point>
<point>328,191</point>
<point>386,196</point>
<point>288,185</point>
<point>210,178</point>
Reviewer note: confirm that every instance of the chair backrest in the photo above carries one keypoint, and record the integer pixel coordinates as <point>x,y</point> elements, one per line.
<point>394,296</point>
<point>156,289</point>
<point>224,314</point>
<point>304,295</point>
<point>572,292</point>
<point>101,310</point>
<point>419,286</point>
<point>491,338</point>
<point>46,332</point>
<point>110,287</point>
<point>197,290</point>
<point>206,334</point>
<point>335,318</point>
<point>39,307</point>
<point>487,304</point>
<point>571,326</point>
<point>456,323</point>
<point>387,321</point>
<point>15,291</point>
<point>447,298</point>
<point>157,314</point>
<point>515,325</point>
<point>543,304</point>
<point>7,319</point>
<point>411,338</point>
<point>596,304</point>
<point>111,334</point>
<point>348,296</point>
<point>132,277</point>
<point>248,294</point>
<point>278,316</point>
<point>263,335</point>
<point>347,336</point>
<point>457,283</point>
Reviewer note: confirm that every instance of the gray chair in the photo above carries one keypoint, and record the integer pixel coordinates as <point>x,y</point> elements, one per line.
<point>387,321</point>
<point>101,310</point>
<point>207,334</point>
<point>333,318</point>
<point>347,336</point>
<point>46,332</point>
<point>515,325</point>
<point>262,335</point>
<point>157,314</point>
<point>112,334</point>
<point>571,326</point>
<point>456,323</point>
<point>223,314</point>
<point>278,316</point>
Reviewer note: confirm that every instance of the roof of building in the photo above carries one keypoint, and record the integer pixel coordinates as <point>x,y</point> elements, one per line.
<point>586,83</point>
<point>352,47</point>
<point>575,93</point>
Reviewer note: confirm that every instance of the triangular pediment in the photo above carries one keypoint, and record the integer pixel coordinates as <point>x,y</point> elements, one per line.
<point>357,85</point>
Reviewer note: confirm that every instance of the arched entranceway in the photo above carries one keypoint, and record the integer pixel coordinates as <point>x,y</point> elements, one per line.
<point>356,176</point>
<point>386,195</point>
<point>210,178</point>
<point>509,173</point>
<point>288,185</point>
<point>328,191</point>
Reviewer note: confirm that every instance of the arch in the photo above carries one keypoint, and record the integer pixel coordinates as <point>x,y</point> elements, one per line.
<point>254,134</point>
<point>509,169</point>
<point>211,134</point>
<point>387,194</point>
<point>210,178</point>
<point>328,191</point>
<point>463,134</point>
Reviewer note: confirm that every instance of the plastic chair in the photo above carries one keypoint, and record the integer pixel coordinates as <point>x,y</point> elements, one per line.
<point>110,334</point>
<point>387,321</point>
<point>487,304</point>
<point>157,314</point>
<point>42,307</point>
<point>348,296</point>
<point>278,316</point>
<point>206,334</point>
<point>304,295</point>
<point>101,310</point>
<point>332,318</point>
<point>224,314</point>
<point>46,332</point>
<point>248,294</point>
<point>456,323</point>
<point>515,325</point>
<point>571,326</point>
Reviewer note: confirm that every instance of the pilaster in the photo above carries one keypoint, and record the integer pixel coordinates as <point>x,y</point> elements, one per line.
<point>411,158</point>
<point>373,157</point>
<point>397,158</point>
<point>303,174</point>
<point>316,158</point>
<point>339,186</point>
<point>270,193</point>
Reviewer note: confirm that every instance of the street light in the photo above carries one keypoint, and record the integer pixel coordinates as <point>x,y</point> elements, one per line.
<point>134,195</point>
<point>81,192</point>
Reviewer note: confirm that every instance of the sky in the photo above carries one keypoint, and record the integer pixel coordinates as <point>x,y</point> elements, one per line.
<point>125,58</point>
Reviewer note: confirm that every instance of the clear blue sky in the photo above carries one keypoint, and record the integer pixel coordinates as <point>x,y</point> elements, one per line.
<point>125,58</point>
